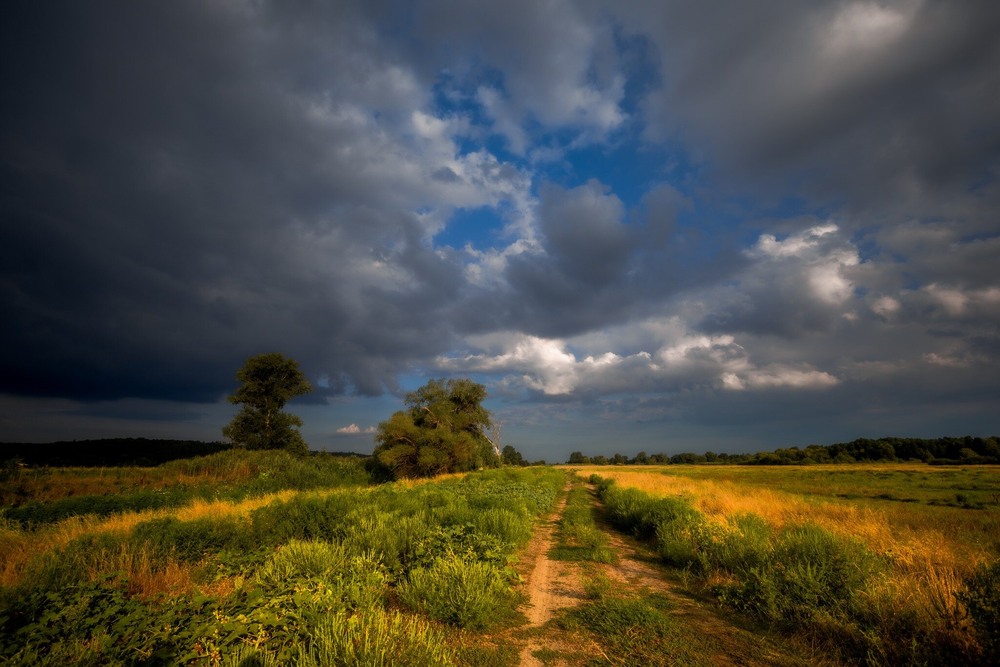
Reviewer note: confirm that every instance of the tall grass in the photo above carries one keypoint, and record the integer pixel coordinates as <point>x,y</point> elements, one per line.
<point>467,594</point>
<point>847,590</point>
<point>376,639</point>
<point>189,585</point>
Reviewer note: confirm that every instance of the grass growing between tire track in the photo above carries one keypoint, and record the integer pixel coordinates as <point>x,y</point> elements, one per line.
<point>579,537</point>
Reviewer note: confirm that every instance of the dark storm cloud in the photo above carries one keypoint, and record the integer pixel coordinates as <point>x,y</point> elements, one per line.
<point>882,103</point>
<point>182,188</point>
<point>597,264</point>
<point>185,184</point>
<point>579,279</point>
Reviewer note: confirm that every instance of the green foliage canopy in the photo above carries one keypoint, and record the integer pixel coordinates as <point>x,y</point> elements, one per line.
<point>443,430</point>
<point>268,382</point>
<point>511,457</point>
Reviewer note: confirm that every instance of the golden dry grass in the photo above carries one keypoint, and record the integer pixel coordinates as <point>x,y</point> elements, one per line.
<point>931,549</point>
<point>913,536</point>
<point>19,547</point>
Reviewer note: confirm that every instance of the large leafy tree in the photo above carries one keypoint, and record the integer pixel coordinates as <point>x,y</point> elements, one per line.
<point>268,381</point>
<point>444,429</point>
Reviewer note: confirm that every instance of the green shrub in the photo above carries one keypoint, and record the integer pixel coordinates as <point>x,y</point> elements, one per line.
<point>468,594</point>
<point>508,526</point>
<point>394,538</point>
<point>744,546</point>
<point>680,530</point>
<point>464,541</point>
<point>325,577</point>
<point>376,639</point>
<point>304,518</point>
<point>810,570</point>
<point>646,517</point>
<point>301,558</point>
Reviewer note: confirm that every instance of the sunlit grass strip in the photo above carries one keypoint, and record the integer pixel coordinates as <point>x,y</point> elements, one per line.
<point>18,547</point>
<point>288,560</point>
<point>910,547</point>
<point>780,557</point>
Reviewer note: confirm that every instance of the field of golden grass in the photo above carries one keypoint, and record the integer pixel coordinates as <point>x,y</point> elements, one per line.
<point>896,510</point>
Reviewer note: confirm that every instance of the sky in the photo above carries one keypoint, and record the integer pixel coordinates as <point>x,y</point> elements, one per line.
<point>671,226</point>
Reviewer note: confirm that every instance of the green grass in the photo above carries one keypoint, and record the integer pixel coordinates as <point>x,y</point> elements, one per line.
<point>579,538</point>
<point>633,629</point>
<point>305,580</point>
<point>41,496</point>
<point>829,588</point>
<point>464,593</point>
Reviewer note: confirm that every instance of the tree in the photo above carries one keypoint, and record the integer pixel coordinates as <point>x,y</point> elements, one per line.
<point>445,429</point>
<point>268,382</point>
<point>512,457</point>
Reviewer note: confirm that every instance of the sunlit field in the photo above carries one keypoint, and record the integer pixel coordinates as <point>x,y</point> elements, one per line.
<point>263,557</point>
<point>926,530</point>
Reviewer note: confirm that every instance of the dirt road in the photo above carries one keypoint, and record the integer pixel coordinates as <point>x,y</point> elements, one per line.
<point>555,586</point>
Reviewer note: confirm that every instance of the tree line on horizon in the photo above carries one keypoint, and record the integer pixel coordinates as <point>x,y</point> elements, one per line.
<point>446,429</point>
<point>966,450</point>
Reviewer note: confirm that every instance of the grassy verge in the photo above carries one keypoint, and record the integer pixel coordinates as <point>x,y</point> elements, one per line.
<point>832,587</point>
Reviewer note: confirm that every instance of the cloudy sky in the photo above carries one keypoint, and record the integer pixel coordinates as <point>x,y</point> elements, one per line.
<point>664,226</point>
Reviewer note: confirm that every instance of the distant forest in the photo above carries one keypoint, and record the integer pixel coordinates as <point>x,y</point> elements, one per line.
<point>145,452</point>
<point>936,451</point>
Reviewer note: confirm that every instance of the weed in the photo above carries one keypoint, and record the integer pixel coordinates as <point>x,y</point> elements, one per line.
<point>377,639</point>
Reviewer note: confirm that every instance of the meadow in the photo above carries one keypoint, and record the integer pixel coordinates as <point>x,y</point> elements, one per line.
<point>264,558</point>
<point>882,563</point>
<point>259,558</point>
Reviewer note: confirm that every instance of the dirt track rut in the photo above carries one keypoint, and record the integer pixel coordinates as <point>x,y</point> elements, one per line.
<point>554,585</point>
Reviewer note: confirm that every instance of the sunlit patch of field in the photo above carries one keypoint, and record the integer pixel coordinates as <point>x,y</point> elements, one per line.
<point>19,546</point>
<point>270,573</point>
<point>912,534</point>
<point>931,547</point>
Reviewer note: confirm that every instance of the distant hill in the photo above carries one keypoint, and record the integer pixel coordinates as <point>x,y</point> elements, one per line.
<point>107,451</point>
